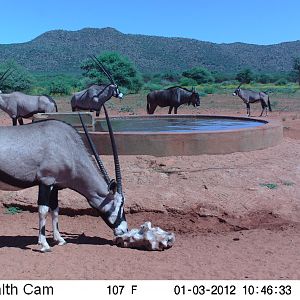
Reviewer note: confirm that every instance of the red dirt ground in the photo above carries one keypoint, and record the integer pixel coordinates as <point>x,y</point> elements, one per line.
<point>228,224</point>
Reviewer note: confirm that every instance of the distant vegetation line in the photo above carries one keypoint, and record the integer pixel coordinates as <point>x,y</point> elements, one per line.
<point>61,51</point>
<point>62,46</point>
<point>130,81</point>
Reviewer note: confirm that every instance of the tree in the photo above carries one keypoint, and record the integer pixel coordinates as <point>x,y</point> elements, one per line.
<point>171,76</point>
<point>185,81</point>
<point>296,68</point>
<point>59,87</point>
<point>19,80</point>
<point>199,74</point>
<point>263,78</point>
<point>122,70</point>
<point>245,76</point>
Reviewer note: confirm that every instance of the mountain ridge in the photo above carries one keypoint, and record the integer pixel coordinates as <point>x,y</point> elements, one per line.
<point>62,51</point>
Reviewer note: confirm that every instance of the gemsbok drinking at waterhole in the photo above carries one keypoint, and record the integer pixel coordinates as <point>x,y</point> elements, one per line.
<point>54,159</point>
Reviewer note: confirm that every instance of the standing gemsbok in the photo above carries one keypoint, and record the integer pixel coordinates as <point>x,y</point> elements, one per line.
<point>56,158</point>
<point>18,105</point>
<point>96,95</point>
<point>249,96</point>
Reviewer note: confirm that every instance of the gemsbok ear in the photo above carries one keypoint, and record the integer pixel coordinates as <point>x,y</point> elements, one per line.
<point>112,186</point>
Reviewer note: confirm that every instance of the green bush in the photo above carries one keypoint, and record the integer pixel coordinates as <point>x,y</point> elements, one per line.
<point>263,78</point>
<point>58,84</point>
<point>296,68</point>
<point>149,86</point>
<point>171,76</point>
<point>245,76</point>
<point>59,87</point>
<point>199,74</point>
<point>19,80</point>
<point>281,81</point>
<point>184,81</point>
<point>122,70</point>
<point>209,90</point>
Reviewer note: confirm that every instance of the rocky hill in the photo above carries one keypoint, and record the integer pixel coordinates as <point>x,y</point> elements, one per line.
<point>61,51</point>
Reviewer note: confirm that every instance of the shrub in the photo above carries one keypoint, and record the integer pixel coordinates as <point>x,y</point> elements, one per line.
<point>245,76</point>
<point>171,76</point>
<point>199,74</point>
<point>123,71</point>
<point>184,81</point>
<point>59,87</point>
<point>19,80</point>
<point>281,81</point>
<point>209,90</point>
<point>222,77</point>
<point>149,86</point>
<point>263,78</point>
<point>296,68</point>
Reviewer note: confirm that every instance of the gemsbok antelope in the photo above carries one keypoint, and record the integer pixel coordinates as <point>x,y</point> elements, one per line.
<point>19,105</point>
<point>249,96</point>
<point>95,96</point>
<point>54,159</point>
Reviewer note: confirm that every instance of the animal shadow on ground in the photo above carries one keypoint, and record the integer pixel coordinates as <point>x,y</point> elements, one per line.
<point>25,242</point>
<point>17,241</point>
<point>86,240</point>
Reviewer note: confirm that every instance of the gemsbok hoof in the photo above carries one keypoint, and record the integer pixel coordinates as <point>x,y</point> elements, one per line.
<point>61,243</point>
<point>45,250</point>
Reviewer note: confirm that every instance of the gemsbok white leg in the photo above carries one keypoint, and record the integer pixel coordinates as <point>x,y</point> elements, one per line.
<point>43,211</point>
<point>56,235</point>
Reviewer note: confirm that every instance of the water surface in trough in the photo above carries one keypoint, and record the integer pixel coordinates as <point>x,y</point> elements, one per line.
<point>176,124</point>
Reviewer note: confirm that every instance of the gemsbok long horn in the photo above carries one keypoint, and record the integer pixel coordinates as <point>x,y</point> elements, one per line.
<point>93,147</point>
<point>3,77</point>
<point>99,63</point>
<point>101,66</point>
<point>115,153</point>
<point>103,69</point>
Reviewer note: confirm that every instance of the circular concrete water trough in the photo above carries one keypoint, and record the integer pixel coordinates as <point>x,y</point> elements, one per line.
<point>149,135</point>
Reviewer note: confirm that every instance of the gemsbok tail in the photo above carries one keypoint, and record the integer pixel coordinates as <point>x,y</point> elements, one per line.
<point>269,104</point>
<point>148,108</point>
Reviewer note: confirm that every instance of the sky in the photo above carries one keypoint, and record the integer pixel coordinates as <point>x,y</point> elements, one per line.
<point>221,21</point>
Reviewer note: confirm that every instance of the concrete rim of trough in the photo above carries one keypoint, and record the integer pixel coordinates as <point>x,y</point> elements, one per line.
<point>191,143</point>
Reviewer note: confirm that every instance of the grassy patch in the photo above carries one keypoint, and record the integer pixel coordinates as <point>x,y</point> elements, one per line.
<point>271,186</point>
<point>13,210</point>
